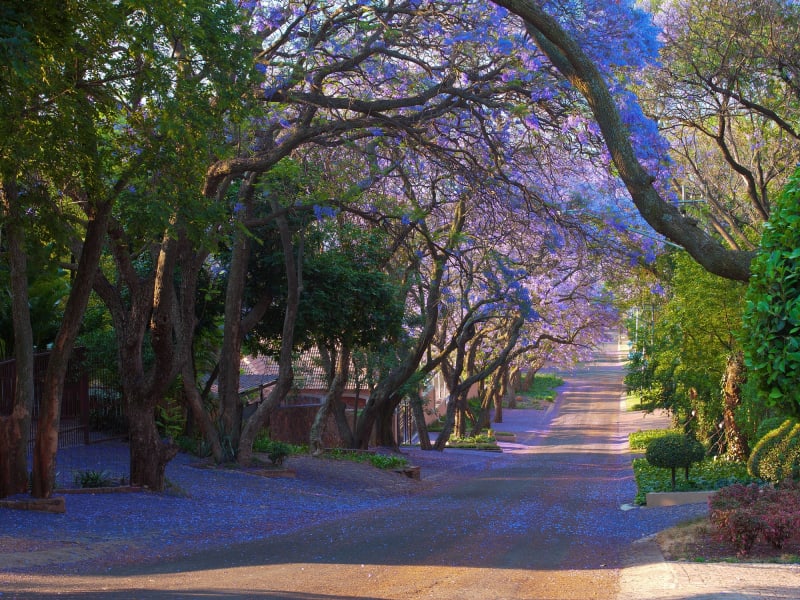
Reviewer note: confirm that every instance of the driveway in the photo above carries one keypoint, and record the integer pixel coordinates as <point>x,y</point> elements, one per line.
<point>550,518</point>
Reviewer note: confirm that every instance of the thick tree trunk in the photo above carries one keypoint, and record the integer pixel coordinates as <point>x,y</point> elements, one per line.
<point>342,424</point>
<point>737,447</point>
<point>15,428</point>
<point>13,464</point>
<point>488,399</point>
<point>385,423</point>
<point>449,422</point>
<point>502,394</point>
<point>149,453</point>
<point>460,426</point>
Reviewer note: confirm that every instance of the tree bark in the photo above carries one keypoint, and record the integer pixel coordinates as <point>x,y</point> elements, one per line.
<point>44,456</point>
<point>149,453</point>
<point>491,397</point>
<point>294,287</point>
<point>568,57</point>
<point>15,428</point>
<point>735,374</point>
<point>334,395</point>
<point>230,353</point>
<point>462,388</point>
<point>418,409</point>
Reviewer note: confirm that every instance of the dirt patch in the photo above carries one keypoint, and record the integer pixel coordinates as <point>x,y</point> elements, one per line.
<point>697,541</point>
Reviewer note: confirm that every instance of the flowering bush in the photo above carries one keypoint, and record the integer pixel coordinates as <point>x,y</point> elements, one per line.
<point>743,513</point>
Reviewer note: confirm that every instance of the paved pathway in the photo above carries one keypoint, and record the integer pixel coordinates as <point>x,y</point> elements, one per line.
<point>546,520</point>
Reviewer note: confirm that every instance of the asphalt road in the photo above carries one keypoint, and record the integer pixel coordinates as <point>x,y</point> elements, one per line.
<point>548,524</point>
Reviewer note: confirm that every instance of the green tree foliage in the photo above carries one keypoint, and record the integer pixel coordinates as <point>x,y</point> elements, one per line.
<point>724,96</point>
<point>683,336</point>
<point>771,331</point>
<point>673,451</point>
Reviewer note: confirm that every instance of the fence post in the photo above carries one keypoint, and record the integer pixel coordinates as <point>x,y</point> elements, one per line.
<point>83,398</point>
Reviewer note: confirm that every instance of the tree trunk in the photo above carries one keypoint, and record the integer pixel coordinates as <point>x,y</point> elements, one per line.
<point>342,424</point>
<point>228,383</point>
<point>460,426</point>
<point>737,447</point>
<point>149,453</point>
<point>15,428</point>
<point>14,466</point>
<point>142,304</point>
<point>385,423</point>
<point>418,409</point>
<point>333,396</point>
<point>488,398</point>
<point>198,412</point>
<point>44,456</point>
<point>449,421</point>
<point>294,287</point>
<point>502,394</point>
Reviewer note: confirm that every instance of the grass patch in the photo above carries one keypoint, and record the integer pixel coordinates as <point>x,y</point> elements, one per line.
<point>707,475</point>
<point>541,391</point>
<point>544,387</point>
<point>638,440</point>
<point>264,444</point>
<point>633,402</point>
<point>483,441</point>
<point>381,461</point>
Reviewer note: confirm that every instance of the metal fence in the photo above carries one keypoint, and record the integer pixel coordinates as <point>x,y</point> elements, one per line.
<point>92,409</point>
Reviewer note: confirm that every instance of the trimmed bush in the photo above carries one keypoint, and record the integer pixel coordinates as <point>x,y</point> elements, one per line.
<point>639,440</point>
<point>767,425</point>
<point>777,455</point>
<point>673,451</point>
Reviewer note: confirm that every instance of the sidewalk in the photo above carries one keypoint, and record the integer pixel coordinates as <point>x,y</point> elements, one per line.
<point>652,578</point>
<point>649,577</point>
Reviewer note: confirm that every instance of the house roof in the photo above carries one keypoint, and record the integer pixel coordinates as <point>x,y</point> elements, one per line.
<point>308,371</point>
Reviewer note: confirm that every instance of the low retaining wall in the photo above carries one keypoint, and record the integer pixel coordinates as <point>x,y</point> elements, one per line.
<point>655,499</point>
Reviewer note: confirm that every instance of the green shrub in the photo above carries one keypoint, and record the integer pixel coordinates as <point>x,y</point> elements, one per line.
<point>170,419</point>
<point>388,461</point>
<point>93,479</point>
<point>483,441</point>
<point>276,451</point>
<point>777,455</point>
<point>710,474</point>
<point>194,445</point>
<point>381,461</point>
<point>674,450</point>
<point>771,320</point>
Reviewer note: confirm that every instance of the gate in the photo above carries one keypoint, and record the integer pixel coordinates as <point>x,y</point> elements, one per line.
<point>88,404</point>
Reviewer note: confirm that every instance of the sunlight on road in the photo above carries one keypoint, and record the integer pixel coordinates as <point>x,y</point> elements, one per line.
<point>331,581</point>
